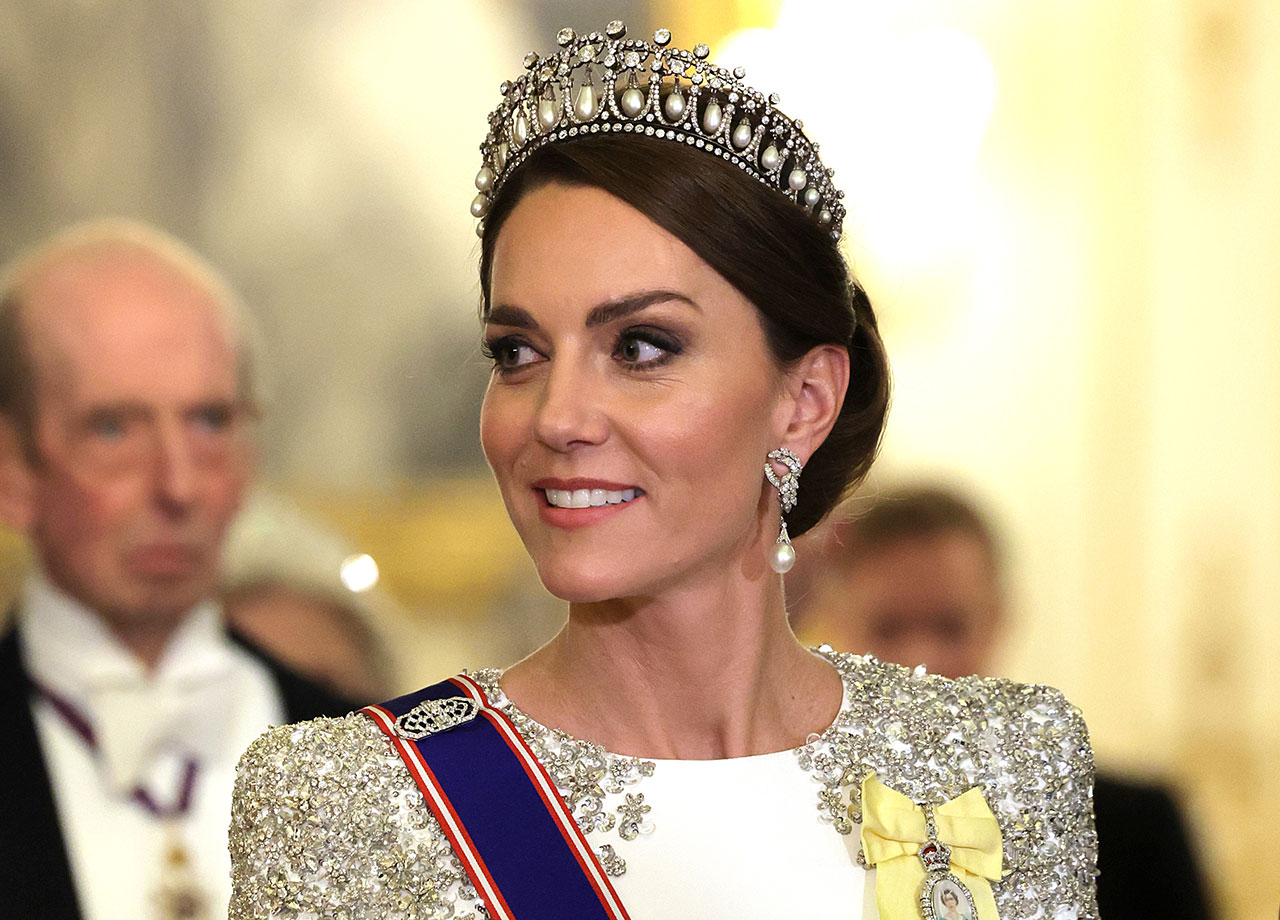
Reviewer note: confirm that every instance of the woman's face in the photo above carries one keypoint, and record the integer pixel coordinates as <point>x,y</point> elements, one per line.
<point>632,379</point>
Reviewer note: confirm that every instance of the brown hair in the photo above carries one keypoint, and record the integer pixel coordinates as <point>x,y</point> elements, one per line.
<point>913,512</point>
<point>768,248</point>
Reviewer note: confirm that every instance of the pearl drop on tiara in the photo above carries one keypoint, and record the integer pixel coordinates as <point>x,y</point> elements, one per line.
<point>660,92</point>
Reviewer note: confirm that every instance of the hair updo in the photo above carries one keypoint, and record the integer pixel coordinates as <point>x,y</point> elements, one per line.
<point>776,255</point>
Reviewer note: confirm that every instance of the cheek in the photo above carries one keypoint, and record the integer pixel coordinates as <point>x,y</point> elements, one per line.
<point>725,467</point>
<point>86,515</point>
<point>714,449</point>
<point>229,488</point>
<point>490,430</point>
<point>724,430</point>
<point>501,429</point>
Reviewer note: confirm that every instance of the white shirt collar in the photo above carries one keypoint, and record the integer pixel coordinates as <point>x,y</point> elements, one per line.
<point>176,710</point>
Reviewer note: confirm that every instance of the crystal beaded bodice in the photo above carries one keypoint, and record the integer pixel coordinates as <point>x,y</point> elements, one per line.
<point>327,821</point>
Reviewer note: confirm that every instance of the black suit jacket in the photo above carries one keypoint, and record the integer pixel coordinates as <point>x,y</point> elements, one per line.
<point>35,874</point>
<point>1146,864</point>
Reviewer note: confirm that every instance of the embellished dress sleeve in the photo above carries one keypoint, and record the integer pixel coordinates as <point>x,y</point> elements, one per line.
<point>1039,765</point>
<point>327,822</point>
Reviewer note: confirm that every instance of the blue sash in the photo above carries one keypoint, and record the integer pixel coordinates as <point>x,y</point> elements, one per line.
<point>515,836</point>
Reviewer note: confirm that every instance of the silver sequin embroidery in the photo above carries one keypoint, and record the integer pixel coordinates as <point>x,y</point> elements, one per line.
<point>327,822</point>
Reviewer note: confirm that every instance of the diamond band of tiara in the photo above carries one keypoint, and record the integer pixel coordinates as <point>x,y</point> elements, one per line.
<point>655,91</point>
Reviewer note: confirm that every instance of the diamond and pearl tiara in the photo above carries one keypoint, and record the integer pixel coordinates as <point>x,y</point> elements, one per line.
<point>643,91</point>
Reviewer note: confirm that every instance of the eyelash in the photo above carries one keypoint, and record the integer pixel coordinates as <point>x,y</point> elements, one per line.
<point>492,349</point>
<point>667,343</point>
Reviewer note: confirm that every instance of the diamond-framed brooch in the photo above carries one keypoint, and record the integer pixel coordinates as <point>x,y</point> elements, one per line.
<point>430,717</point>
<point>943,896</point>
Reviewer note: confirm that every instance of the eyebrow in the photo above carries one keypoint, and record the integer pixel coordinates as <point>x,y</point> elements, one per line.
<point>140,409</point>
<point>599,315</point>
<point>118,408</point>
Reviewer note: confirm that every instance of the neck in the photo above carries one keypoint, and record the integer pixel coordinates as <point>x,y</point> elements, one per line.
<point>707,672</point>
<point>143,632</point>
<point>146,642</point>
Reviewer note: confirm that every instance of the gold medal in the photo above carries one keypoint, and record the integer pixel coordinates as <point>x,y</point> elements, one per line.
<point>179,895</point>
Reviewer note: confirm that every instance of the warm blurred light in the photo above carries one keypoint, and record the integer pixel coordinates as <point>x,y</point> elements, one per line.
<point>900,113</point>
<point>359,573</point>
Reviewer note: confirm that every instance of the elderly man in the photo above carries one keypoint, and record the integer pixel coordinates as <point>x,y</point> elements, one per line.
<point>125,447</point>
<point>916,578</point>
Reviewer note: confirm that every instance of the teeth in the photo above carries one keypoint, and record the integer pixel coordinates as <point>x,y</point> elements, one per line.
<point>588,498</point>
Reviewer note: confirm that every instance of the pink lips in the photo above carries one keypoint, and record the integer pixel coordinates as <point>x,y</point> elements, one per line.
<point>165,560</point>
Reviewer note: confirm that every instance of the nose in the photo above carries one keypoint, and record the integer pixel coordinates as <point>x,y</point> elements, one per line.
<point>176,474</point>
<point>570,412</point>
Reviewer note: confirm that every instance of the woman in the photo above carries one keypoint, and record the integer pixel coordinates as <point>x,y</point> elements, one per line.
<point>674,337</point>
<point>951,910</point>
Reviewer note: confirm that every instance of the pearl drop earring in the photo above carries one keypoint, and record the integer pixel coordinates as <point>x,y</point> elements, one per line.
<point>783,556</point>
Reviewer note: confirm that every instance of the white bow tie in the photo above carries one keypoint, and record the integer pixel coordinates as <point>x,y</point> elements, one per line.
<point>146,725</point>
<point>146,729</point>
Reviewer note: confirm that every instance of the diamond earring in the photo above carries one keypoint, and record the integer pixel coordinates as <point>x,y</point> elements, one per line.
<point>783,556</point>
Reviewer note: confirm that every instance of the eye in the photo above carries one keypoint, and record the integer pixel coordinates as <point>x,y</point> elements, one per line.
<point>645,347</point>
<point>888,630</point>
<point>214,419</point>
<point>107,426</point>
<point>510,353</point>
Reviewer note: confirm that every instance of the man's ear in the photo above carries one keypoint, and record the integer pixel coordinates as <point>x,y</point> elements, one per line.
<point>17,479</point>
<point>816,385</point>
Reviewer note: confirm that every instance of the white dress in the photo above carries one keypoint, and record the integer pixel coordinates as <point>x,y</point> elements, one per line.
<point>327,821</point>
<point>751,824</point>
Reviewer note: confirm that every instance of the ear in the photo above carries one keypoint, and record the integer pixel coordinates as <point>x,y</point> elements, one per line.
<point>17,480</point>
<point>816,386</point>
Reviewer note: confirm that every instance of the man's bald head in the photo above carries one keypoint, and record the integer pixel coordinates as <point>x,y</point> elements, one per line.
<point>83,249</point>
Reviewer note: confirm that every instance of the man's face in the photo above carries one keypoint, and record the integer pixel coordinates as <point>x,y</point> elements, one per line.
<point>930,600</point>
<point>140,442</point>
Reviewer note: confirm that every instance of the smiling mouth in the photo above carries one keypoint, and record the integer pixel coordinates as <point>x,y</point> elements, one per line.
<point>590,498</point>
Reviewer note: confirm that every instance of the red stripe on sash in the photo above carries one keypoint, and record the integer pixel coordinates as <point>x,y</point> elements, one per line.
<point>551,798</point>
<point>445,814</point>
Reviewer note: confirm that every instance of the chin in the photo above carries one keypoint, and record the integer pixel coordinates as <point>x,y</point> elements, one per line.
<point>581,582</point>
<point>165,601</point>
<point>577,590</point>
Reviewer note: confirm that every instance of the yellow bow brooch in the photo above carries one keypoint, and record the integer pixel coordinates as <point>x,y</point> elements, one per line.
<point>943,877</point>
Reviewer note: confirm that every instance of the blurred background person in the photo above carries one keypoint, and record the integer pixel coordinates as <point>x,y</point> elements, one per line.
<point>298,590</point>
<point>126,414</point>
<point>914,579</point>
<point>915,575</point>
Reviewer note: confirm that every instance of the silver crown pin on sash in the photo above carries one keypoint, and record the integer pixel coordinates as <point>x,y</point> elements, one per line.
<point>430,717</point>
